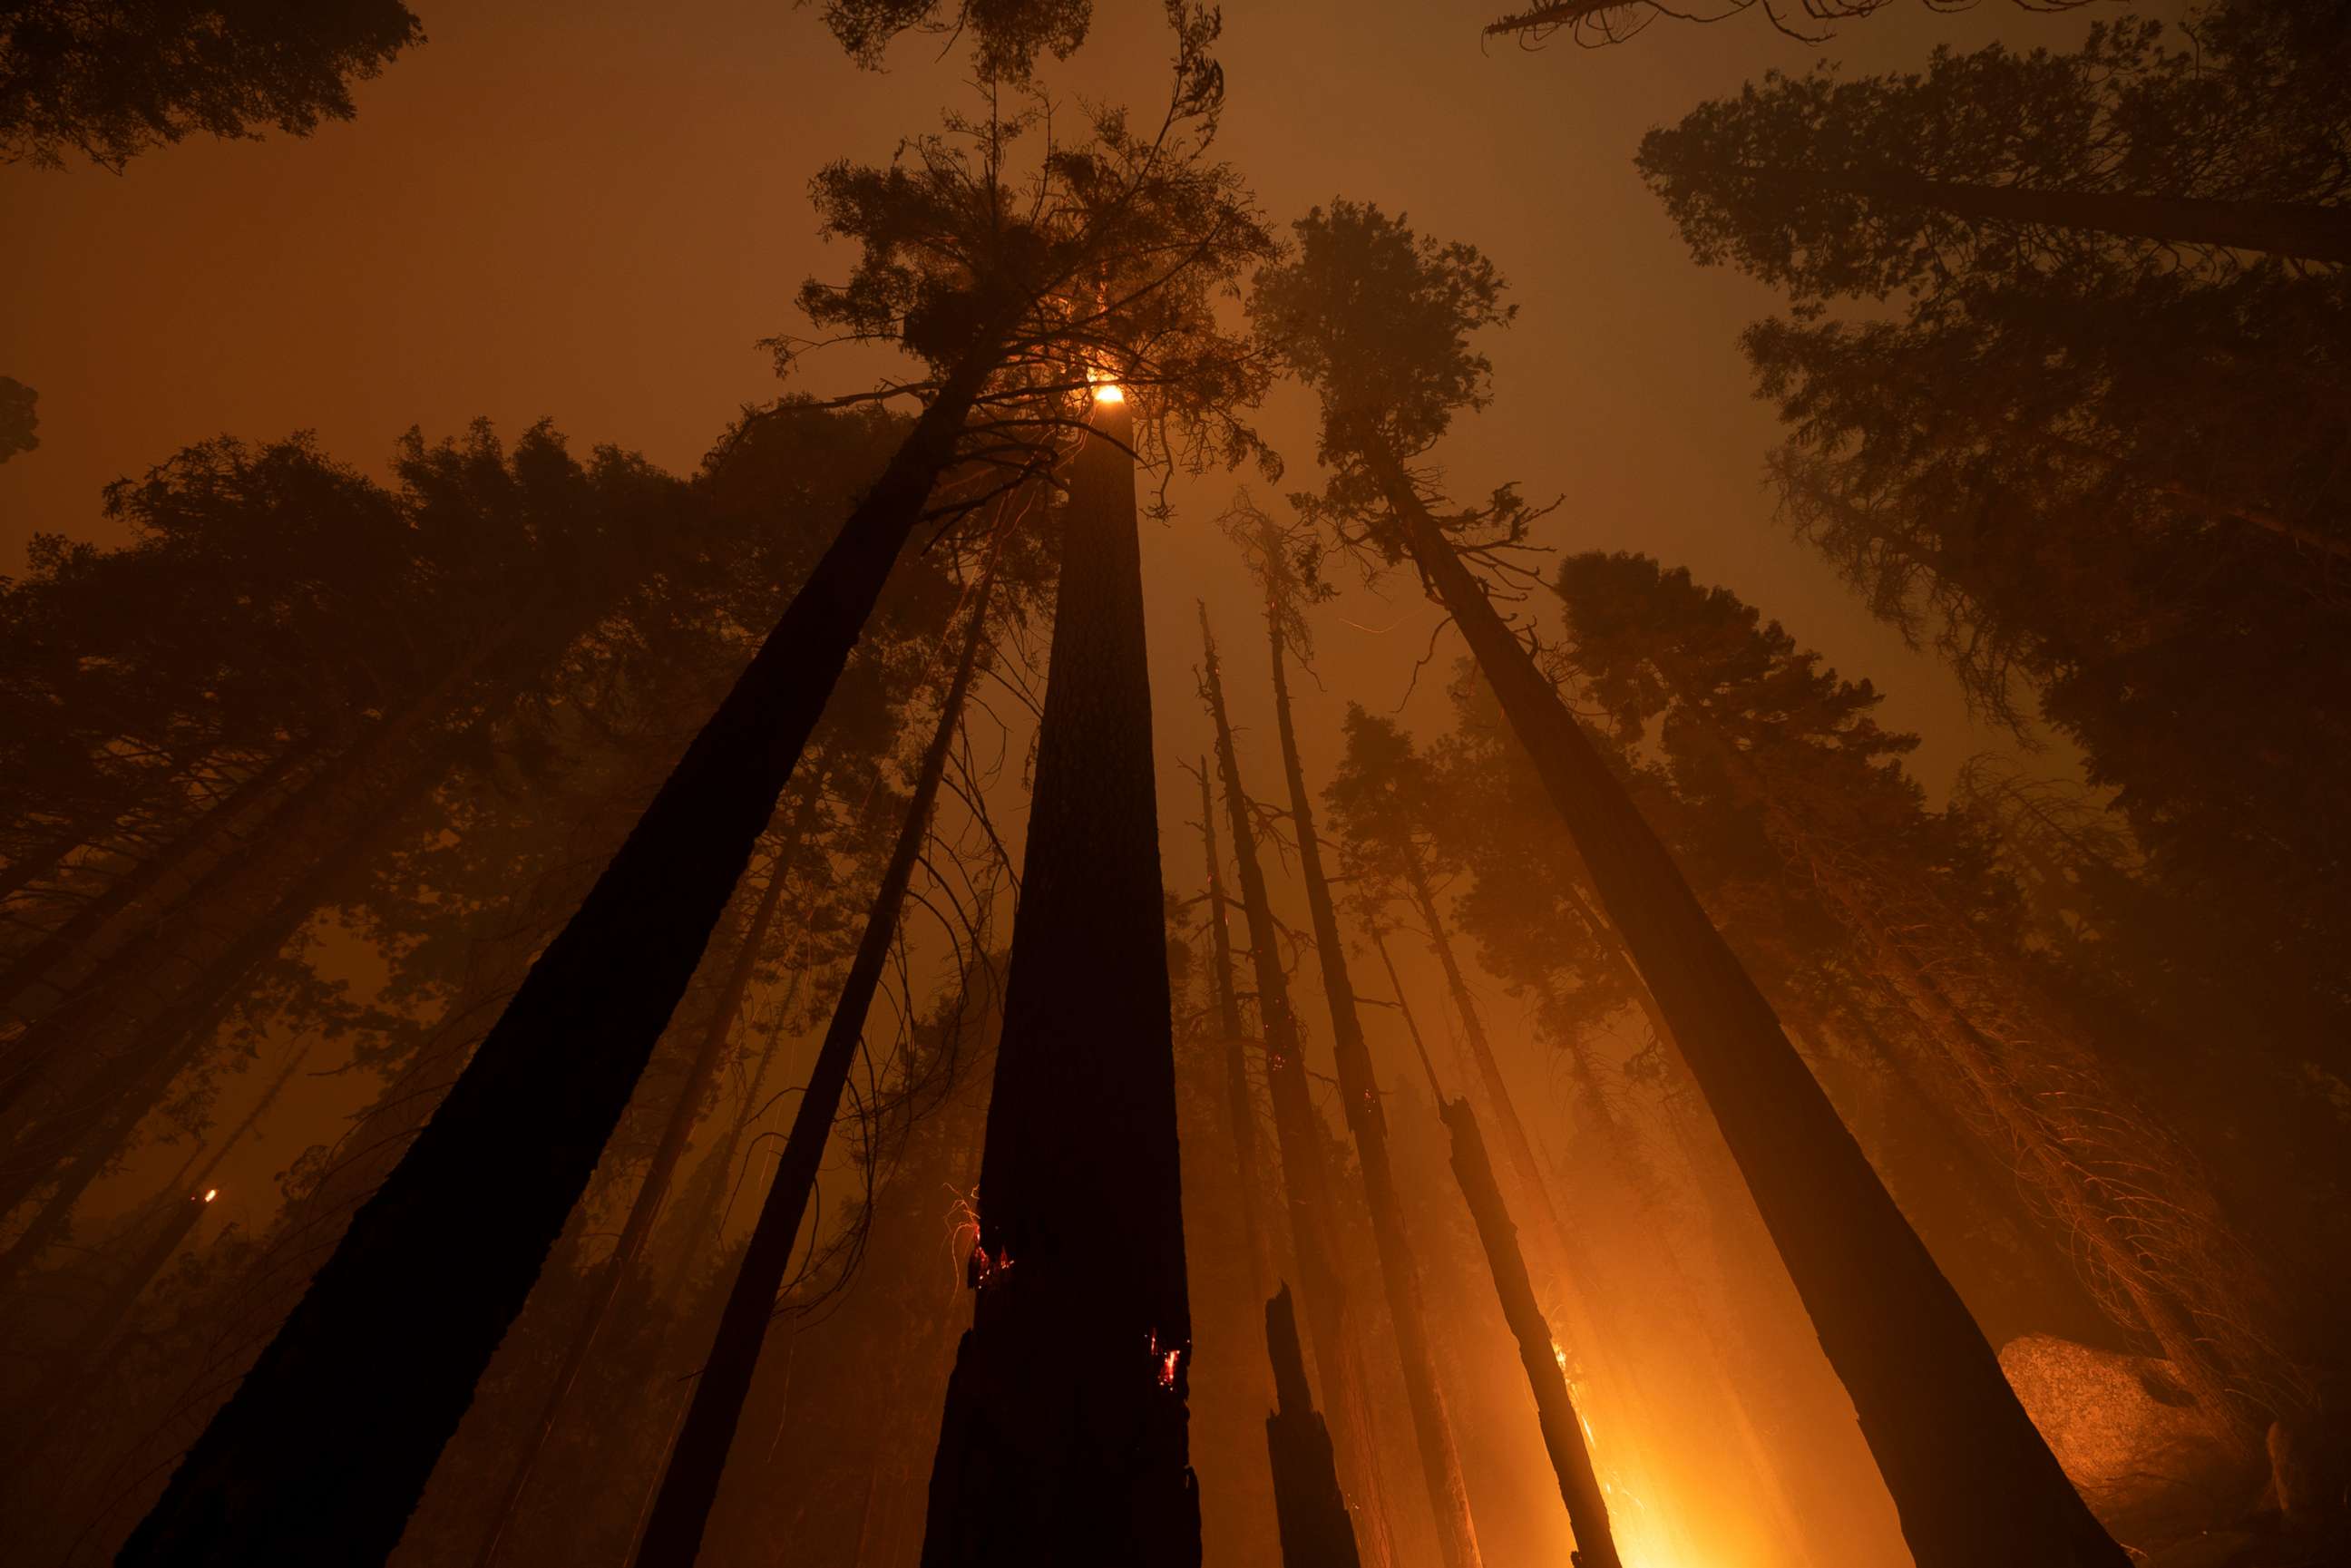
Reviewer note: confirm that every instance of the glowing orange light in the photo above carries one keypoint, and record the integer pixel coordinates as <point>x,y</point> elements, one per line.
<point>1104,385</point>
<point>1165,1360</point>
<point>211,1193</point>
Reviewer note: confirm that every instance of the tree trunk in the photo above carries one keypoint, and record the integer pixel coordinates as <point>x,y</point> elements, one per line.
<point>690,1482</point>
<point>652,1192</point>
<point>1298,1128</point>
<point>70,942</point>
<point>1562,1429</point>
<point>284,1473</point>
<point>1441,1462</point>
<point>1308,1506</point>
<point>1063,1439</point>
<point>1241,1105</point>
<point>1947,1430</point>
<point>2279,228</point>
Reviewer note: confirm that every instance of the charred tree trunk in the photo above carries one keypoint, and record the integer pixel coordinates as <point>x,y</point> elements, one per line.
<point>1562,1430</point>
<point>1241,1105</point>
<point>1298,1130</point>
<point>1441,1462</point>
<point>690,1483</point>
<point>283,1473</point>
<point>1063,1441</point>
<point>652,1192</point>
<point>1946,1428</point>
<point>1316,1531</point>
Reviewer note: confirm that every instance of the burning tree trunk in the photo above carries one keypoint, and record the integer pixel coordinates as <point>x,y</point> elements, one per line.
<point>1440,1463</point>
<point>1946,1428</point>
<point>1240,1104</point>
<point>1063,1437</point>
<point>1298,1128</point>
<point>282,1473</point>
<point>1312,1511</point>
<point>652,1192</point>
<point>690,1482</point>
<point>1562,1430</point>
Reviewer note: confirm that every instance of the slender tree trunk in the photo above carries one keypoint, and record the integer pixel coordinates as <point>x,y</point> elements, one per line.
<point>1308,1506</point>
<point>1241,1105</point>
<point>1441,1462</point>
<point>2279,228</point>
<point>1304,1176</point>
<point>1562,1429</point>
<point>1063,1441</point>
<point>1947,1430</point>
<point>283,1473</point>
<point>71,1369</point>
<point>652,1192</point>
<point>690,1482</point>
<point>57,958</point>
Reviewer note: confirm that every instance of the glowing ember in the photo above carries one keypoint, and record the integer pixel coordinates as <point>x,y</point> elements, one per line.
<point>211,1193</point>
<point>1165,1360</point>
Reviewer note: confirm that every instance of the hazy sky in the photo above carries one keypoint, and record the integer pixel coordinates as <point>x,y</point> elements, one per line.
<point>591,211</point>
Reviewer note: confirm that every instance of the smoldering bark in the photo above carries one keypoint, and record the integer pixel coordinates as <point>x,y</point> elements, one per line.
<point>282,1473</point>
<point>1947,1430</point>
<point>689,1484</point>
<point>1308,1506</point>
<point>1063,1439</point>
<point>1299,1131</point>
<point>1562,1430</point>
<point>1440,1461</point>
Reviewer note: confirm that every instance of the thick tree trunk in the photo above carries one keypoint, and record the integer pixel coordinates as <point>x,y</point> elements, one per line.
<point>1946,1428</point>
<point>690,1482</point>
<point>1305,1178</point>
<point>652,1193</point>
<point>1562,1429</point>
<point>1441,1462</point>
<point>1063,1441</point>
<point>1308,1506</point>
<point>286,1472</point>
<point>1241,1105</point>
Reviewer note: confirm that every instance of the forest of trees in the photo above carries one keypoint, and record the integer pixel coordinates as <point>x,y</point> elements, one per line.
<point>770,1055</point>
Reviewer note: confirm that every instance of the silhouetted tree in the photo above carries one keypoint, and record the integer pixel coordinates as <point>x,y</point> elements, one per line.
<point>1378,319</point>
<point>1113,255</point>
<point>113,79</point>
<point>1274,557</point>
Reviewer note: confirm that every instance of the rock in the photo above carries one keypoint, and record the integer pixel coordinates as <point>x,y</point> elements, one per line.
<point>2143,1456</point>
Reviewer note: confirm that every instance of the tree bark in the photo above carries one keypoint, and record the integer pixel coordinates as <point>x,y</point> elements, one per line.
<point>1946,1428</point>
<point>284,1473</point>
<point>1063,1439</point>
<point>1440,1461</point>
<point>1562,1429</point>
<point>1241,1105</point>
<point>1298,1130</point>
<point>690,1482</point>
<point>1308,1506</point>
<point>652,1192</point>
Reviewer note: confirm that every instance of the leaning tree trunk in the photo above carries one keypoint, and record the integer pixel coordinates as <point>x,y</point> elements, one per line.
<point>1298,1128</point>
<point>1441,1462</point>
<point>1971,1478</point>
<point>690,1482</point>
<point>652,1192</point>
<point>2297,229</point>
<point>1241,1105</point>
<point>1063,1441</point>
<point>284,1472</point>
<point>1308,1506</point>
<point>1562,1430</point>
